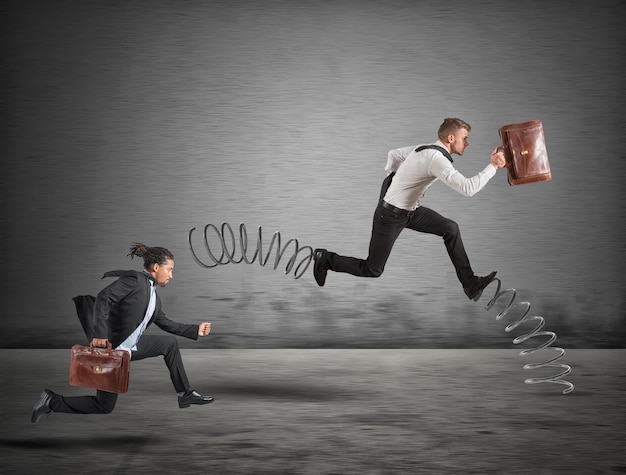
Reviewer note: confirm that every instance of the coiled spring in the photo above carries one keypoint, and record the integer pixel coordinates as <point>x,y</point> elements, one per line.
<point>228,249</point>
<point>535,332</point>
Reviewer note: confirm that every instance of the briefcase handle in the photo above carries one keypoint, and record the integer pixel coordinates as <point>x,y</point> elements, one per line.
<point>109,347</point>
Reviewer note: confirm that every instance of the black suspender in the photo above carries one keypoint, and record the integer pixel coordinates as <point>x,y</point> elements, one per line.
<point>436,147</point>
<point>387,180</point>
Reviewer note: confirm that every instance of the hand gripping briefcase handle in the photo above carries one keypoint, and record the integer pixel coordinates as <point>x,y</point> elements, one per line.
<point>524,148</point>
<point>105,369</point>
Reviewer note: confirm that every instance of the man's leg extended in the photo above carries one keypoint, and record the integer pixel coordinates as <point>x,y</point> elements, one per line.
<point>102,403</point>
<point>426,220</point>
<point>386,227</point>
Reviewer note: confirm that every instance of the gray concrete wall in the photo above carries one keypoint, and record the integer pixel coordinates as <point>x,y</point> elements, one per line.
<point>137,121</point>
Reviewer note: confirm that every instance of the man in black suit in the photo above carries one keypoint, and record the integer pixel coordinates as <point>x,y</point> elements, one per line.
<point>120,314</point>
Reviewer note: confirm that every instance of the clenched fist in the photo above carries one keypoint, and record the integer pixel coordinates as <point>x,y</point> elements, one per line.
<point>497,158</point>
<point>204,329</point>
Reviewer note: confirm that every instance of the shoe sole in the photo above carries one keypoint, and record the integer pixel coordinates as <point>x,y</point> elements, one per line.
<point>184,406</point>
<point>480,292</point>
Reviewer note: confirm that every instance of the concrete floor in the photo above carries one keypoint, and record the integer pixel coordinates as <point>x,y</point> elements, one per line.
<point>325,412</point>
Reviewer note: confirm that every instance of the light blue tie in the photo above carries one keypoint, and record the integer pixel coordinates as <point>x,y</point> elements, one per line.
<point>130,344</point>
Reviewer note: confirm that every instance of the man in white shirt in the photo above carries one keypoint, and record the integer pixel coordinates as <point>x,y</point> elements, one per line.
<point>412,171</point>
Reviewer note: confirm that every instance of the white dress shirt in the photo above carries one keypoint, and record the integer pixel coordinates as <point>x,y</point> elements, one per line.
<point>417,171</point>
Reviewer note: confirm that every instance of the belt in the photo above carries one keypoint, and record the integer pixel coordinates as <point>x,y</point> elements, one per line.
<point>398,211</point>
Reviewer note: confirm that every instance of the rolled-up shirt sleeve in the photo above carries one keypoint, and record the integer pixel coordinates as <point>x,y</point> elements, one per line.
<point>396,156</point>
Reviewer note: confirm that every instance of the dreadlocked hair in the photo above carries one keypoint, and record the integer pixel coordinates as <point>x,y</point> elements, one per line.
<point>150,255</point>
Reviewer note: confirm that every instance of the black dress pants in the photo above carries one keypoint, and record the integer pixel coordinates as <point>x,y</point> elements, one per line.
<point>386,227</point>
<point>104,402</point>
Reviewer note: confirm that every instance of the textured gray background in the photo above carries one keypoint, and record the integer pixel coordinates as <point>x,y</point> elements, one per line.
<point>137,121</point>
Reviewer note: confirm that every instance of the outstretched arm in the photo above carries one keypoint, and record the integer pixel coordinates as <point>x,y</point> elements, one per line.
<point>187,330</point>
<point>444,170</point>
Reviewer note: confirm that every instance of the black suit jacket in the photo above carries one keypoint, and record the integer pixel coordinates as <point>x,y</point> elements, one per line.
<point>119,309</point>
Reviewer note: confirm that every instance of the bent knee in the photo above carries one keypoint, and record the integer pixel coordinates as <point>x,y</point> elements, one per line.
<point>451,227</point>
<point>373,272</point>
<point>107,406</point>
<point>172,342</point>
<point>105,402</point>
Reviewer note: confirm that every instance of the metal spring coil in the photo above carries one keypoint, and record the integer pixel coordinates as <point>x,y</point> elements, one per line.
<point>556,379</point>
<point>228,252</point>
<point>228,245</point>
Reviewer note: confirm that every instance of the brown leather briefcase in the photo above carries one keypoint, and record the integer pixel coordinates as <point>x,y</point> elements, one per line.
<point>524,148</point>
<point>100,368</point>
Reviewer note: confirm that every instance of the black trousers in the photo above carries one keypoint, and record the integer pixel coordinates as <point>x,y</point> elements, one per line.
<point>104,402</point>
<point>387,226</point>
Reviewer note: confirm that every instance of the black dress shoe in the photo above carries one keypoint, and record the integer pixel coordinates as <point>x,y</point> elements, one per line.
<point>42,408</point>
<point>320,266</point>
<point>193,397</point>
<point>475,289</point>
